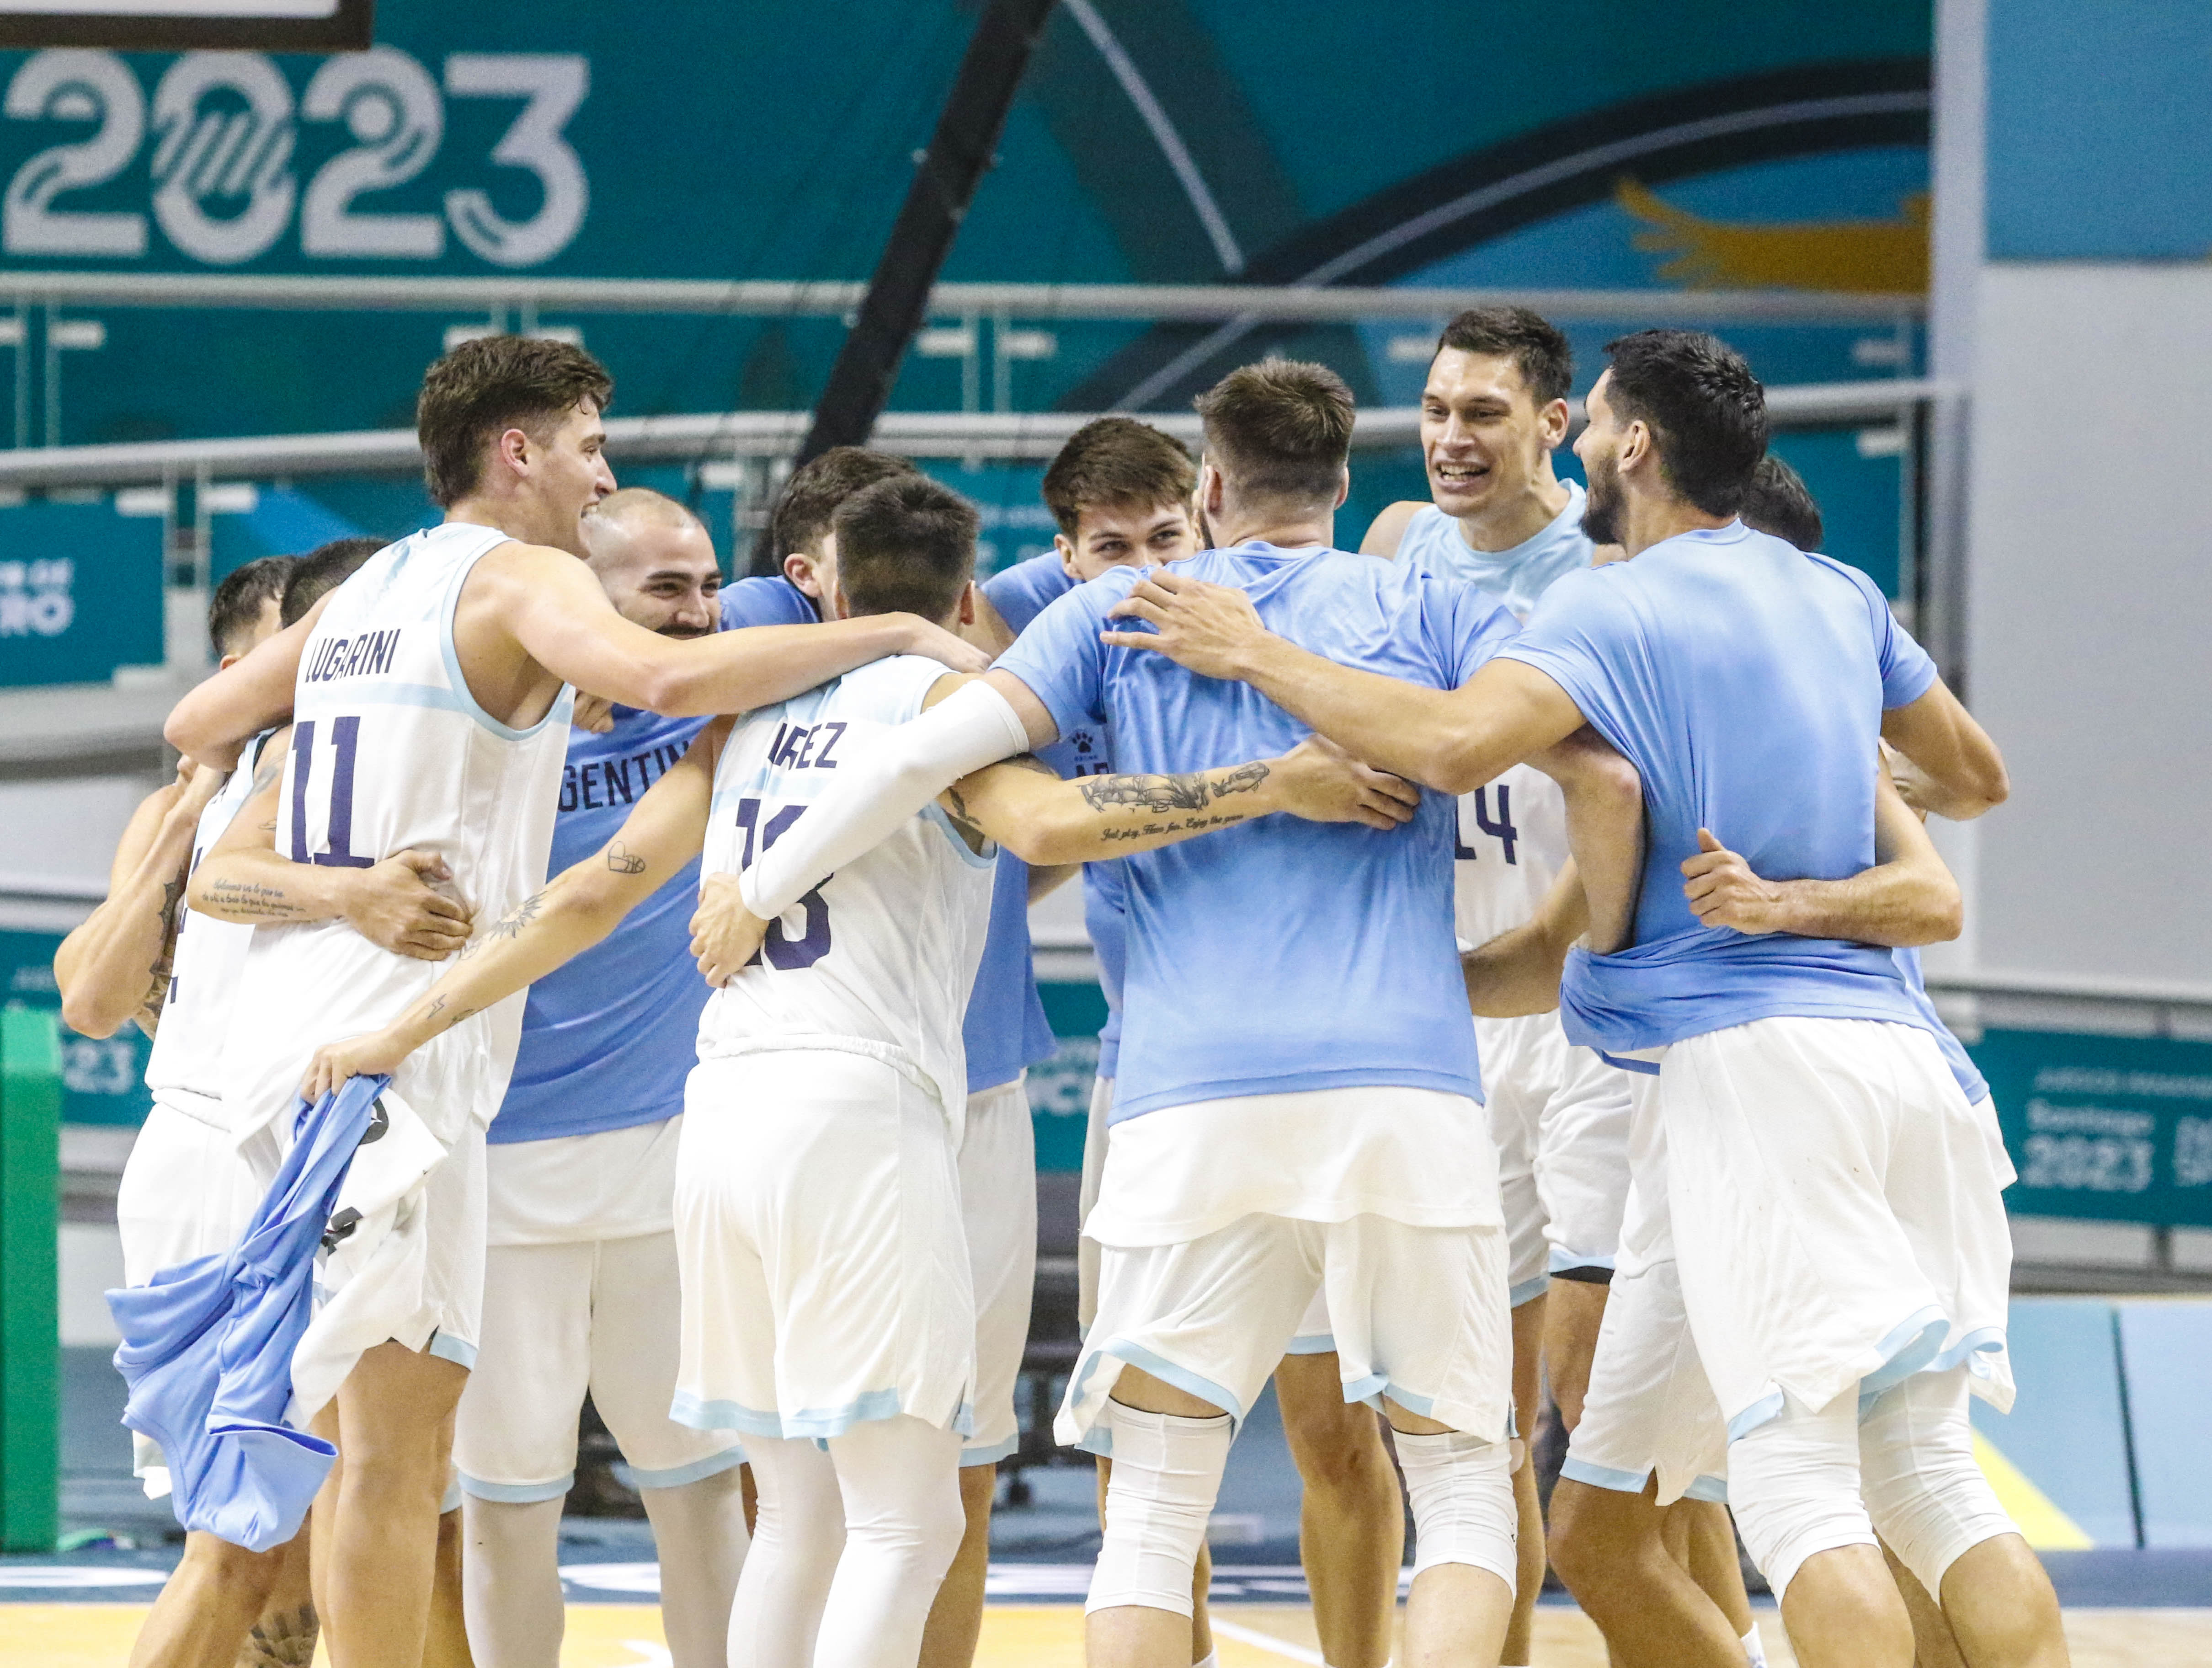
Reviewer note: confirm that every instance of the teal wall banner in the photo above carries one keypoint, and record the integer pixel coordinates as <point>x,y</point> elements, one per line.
<point>1060,1088</point>
<point>80,593</point>
<point>2116,1128</point>
<point>103,1079</point>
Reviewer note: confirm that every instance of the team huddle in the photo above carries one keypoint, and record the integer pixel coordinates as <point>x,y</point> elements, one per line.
<point>1509,930</point>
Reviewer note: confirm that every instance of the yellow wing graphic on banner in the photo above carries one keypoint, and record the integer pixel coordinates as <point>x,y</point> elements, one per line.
<point>1862,256</point>
<point>2041,1522</point>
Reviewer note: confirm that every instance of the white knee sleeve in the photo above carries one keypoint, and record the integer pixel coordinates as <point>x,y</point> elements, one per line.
<point>1793,1486</point>
<point>1167,1472</point>
<point>1926,1495</point>
<point>1464,1512</point>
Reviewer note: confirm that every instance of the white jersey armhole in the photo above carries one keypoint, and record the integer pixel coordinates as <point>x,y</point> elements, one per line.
<point>564,703</point>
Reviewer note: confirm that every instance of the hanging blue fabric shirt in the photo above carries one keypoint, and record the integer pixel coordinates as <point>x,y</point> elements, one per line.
<point>1961,1063</point>
<point>1746,681</point>
<point>207,1346</point>
<point>1020,594</point>
<point>607,1039</point>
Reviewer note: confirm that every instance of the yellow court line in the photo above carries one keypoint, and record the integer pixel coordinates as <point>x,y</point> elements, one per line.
<point>2046,1527</point>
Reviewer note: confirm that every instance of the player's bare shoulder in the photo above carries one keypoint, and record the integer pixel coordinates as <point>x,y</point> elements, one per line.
<point>1387,529</point>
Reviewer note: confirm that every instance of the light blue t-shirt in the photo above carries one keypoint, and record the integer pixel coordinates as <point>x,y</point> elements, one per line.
<point>1020,594</point>
<point>607,1039</point>
<point>1518,577</point>
<point>1746,681</point>
<point>1961,1063</point>
<point>1278,955</point>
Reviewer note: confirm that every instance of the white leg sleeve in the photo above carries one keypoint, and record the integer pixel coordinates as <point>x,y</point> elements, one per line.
<point>1167,1472</point>
<point>1794,1487</point>
<point>797,1540</point>
<point>875,792</point>
<point>1464,1512</point>
<point>511,1580</point>
<point>699,1532</point>
<point>1925,1494</point>
<point>903,1522</point>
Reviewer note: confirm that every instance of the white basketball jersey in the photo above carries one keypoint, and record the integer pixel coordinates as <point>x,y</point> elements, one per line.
<point>881,955</point>
<point>390,752</point>
<point>185,1069</point>
<point>1511,845</point>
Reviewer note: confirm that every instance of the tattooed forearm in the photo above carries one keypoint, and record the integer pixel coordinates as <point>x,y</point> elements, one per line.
<point>508,926</point>
<point>1188,792</point>
<point>251,898</point>
<point>266,776</point>
<point>623,860</point>
<point>1177,826</point>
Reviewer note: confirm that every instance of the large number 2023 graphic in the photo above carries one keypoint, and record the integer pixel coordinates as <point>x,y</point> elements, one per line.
<point>781,950</point>
<point>223,127</point>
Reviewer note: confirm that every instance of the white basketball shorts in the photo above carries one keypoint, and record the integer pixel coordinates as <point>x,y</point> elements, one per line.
<point>596,1311</point>
<point>819,1239</point>
<point>998,1205</point>
<point>1524,1061</point>
<point>1581,1160</point>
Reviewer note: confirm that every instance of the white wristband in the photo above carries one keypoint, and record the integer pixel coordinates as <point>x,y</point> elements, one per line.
<point>878,791</point>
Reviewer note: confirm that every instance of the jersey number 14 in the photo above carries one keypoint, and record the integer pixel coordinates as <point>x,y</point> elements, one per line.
<point>1502,830</point>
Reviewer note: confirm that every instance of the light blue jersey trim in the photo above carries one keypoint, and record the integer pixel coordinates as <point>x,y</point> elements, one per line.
<point>991,1455</point>
<point>1528,1291</point>
<point>1767,1407</point>
<point>1709,1489</point>
<point>989,859</point>
<point>451,1499</point>
<point>564,703</point>
<point>517,1494</point>
<point>1351,1077</point>
<point>1318,1343</point>
<point>1911,1344</point>
<point>1604,1476</point>
<point>698,1470</point>
<point>447,1347</point>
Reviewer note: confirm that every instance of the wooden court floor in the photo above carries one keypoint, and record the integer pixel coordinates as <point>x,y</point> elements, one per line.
<point>1051,1636</point>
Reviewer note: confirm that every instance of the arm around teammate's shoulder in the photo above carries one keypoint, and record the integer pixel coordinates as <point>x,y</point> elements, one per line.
<point>215,719</point>
<point>558,613</point>
<point>113,966</point>
<point>1957,770</point>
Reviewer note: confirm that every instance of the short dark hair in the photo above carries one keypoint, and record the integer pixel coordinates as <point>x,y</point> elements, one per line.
<point>905,545</point>
<point>1116,460</point>
<point>810,498</point>
<point>235,608</point>
<point>485,387</point>
<point>323,570</point>
<point>1778,502</point>
<point>1533,342</point>
<point>1280,429</point>
<point>1707,412</point>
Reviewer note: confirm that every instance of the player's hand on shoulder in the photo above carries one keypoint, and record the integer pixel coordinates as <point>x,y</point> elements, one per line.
<point>1323,783</point>
<point>376,1055</point>
<point>409,904</point>
<point>936,643</point>
<point>1723,892</point>
<point>594,713</point>
<point>724,934</point>
<point>1208,628</point>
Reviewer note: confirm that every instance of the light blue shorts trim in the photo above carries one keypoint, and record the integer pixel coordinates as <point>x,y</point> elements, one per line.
<point>1915,1344</point>
<point>992,1455</point>
<point>517,1494</point>
<point>1528,1291</point>
<point>1563,1259</point>
<point>1099,1438</point>
<point>447,1347</point>
<point>821,1423</point>
<point>676,1476</point>
<point>1632,1482</point>
<point>1319,1343</point>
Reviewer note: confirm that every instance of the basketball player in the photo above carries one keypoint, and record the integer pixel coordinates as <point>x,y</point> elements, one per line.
<point>579,1273</point>
<point>431,695</point>
<point>1493,411</point>
<point>1269,1136</point>
<point>827,1302</point>
<point>184,1192</point>
<point>1004,1032</point>
<point>1799,1301</point>
<point>1120,492</point>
